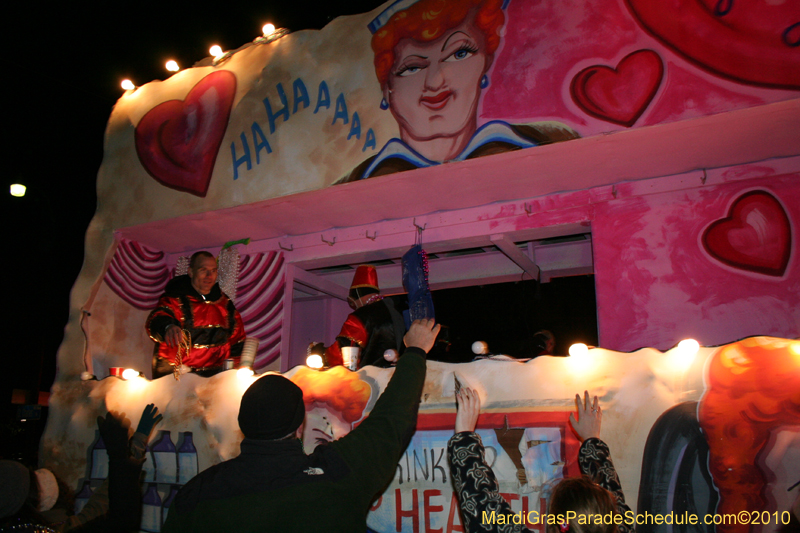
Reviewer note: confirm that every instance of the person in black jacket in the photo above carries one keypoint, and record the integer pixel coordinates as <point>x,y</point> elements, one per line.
<point>274,486</point>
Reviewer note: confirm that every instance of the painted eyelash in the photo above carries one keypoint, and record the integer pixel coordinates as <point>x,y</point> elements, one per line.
<point>471,48</point>
<point>405,68</point>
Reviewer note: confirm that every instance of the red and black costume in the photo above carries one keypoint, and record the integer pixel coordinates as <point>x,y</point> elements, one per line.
<point>216,329</point>
<point>374,326</point>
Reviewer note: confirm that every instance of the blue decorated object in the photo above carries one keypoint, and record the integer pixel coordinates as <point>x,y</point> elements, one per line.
<point>415,282</point>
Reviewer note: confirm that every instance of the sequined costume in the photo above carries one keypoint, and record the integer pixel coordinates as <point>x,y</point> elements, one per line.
<point>215,327</point>
<point>478,491</point>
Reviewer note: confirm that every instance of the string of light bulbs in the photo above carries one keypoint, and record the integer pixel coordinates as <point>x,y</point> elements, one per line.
<point>269,34</point>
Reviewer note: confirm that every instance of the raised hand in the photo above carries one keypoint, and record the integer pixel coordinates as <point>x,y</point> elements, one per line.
<point>422,334</point>
<point>150,417</point>
<point>173,336</point>
<point>114,429</point>
<point>589,419</point>
<point>469,407</point>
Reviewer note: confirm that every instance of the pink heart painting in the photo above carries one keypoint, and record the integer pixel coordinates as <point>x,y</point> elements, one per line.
<point>619,95</point>
<point>755,236</point>
<point>177,141</point>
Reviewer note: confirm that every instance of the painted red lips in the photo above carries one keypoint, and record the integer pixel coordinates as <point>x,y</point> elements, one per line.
<point>437,101</point>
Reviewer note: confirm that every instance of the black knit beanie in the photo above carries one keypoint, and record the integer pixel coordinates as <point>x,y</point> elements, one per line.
<point>271,408</point>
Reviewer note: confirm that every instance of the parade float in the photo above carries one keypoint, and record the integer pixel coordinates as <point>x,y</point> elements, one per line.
<point>653,146</point>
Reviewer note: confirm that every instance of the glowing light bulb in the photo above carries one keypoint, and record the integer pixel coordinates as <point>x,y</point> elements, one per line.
<point>579,360</point>
<point>579,350</point>
<point>685,352</point>
<point>215,50</point>
<point>129,373</point>
<point>127,85</point>
<point>689,346</point>
<point>172,66</point>
<point>794,352</point>
<point>245,372</point>
<point>314,361</point>
<point>18,190</point>
<point>268,29</point>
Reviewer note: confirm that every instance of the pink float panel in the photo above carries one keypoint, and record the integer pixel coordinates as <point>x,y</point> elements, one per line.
<point>658,282</point>
<point>734,138</point>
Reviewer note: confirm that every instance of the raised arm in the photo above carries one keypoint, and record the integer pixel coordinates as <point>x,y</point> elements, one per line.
<point>474,482</point>
<point>469,407</point>
<point>594,457</point>
<point>375,446</point>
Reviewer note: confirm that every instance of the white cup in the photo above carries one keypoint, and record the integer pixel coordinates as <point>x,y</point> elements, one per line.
<point>249,352</point>
<point>350,357</point>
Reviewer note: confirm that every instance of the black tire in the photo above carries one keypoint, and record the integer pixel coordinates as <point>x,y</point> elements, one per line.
<point>675,477</point>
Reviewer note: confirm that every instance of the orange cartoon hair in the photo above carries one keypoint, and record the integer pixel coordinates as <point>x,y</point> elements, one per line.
<point>753,388</point>
<point>427,20</point>
<point>340,388</point>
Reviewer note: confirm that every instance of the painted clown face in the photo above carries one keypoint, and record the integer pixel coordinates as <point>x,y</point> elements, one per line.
<point>323,425</point>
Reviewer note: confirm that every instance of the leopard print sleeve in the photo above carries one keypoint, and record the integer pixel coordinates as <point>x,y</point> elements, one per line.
<point>594,459</point>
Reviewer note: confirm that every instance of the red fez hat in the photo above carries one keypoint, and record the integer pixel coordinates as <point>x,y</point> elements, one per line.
<point>366,278</point>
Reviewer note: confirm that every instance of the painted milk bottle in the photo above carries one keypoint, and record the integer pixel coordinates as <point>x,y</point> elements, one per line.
<point>165,459</point>
<point>187,459</point>
<point>151,509</point>
<point>99,460</point>
<point>149,467</point>
<point>83,496</point>
<point>173,490</point>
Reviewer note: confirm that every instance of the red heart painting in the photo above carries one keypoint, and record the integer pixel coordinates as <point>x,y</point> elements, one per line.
<point>619,95</point>
<point>750,41</point>
<point>177,141</point>
<point>755,236</point>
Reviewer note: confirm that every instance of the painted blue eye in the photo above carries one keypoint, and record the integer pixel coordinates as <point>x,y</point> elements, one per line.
<point>409,71</point>
<point>461,54</point>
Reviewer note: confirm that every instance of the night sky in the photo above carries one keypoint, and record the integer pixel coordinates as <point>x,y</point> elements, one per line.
<point>64,63</point>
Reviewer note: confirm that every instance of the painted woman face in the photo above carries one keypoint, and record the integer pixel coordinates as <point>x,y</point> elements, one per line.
<point>433,88</point>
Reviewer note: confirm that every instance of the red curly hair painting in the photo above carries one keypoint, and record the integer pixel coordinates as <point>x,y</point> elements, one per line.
<point>753,388</point>
<point>338,387</point>
<point>427,20</point>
